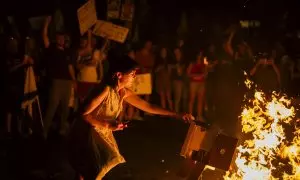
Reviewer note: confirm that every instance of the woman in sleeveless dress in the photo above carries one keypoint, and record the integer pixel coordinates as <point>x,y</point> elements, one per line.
<point>93,149</point>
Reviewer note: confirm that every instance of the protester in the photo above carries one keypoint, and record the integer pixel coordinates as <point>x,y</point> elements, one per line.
<point>197,72</point>
<point>89,65</point>
<point>97,120</point>
<point>178,74</point>
<point>61,72</point>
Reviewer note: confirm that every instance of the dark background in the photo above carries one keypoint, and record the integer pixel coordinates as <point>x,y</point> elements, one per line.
<point>169,11</point>
<point>158,20</point>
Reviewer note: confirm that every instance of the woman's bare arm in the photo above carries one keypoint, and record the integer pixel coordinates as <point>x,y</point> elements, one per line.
<point>45,32</point>
<point>228,44</point>
<point>141,104</point>
<point>92,106</point>
<point>96,102</point>
<point>94,122</point>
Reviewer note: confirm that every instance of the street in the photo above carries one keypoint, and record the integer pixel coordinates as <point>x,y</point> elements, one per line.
<point>150,147</point>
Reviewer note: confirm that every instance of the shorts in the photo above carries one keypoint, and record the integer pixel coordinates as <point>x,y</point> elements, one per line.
<point>197,87</point>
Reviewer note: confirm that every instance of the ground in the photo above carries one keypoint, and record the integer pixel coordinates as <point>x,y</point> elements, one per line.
<point>151,149</point>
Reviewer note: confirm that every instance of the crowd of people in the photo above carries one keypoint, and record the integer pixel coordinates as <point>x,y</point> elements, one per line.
<point>207,82</point>
<point>202,82</point>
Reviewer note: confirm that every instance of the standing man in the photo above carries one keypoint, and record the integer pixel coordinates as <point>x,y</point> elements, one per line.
<point>61,74</point>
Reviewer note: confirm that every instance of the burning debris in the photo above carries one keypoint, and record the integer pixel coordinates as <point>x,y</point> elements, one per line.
<point>270,147</point>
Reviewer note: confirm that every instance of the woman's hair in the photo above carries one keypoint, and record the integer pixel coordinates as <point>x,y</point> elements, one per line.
<point>110,79</point>
<point>123,65</point>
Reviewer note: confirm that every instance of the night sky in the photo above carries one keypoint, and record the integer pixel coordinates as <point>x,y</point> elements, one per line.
<point>164,15</point>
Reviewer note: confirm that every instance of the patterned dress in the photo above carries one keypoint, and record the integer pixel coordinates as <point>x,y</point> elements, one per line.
<point>93,150</point>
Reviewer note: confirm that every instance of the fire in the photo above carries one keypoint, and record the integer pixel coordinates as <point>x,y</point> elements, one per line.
<point>270,148</point>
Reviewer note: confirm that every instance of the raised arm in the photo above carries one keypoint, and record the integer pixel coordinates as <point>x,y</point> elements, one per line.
<point>45,32</point>
<point>228,44</point>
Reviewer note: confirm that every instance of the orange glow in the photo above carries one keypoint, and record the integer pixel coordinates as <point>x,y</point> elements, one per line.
<point>268,152</point>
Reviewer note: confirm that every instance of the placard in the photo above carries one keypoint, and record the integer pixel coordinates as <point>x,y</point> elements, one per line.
<point>110,31</point>
<point>142,84</point>
<point>193,140</point>
<point>87,16</point>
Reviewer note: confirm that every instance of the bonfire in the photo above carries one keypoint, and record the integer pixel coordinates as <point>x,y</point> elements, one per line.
<point>270,145</point>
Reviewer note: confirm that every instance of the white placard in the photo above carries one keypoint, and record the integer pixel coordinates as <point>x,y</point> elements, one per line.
<point>87,16</point>
<point>111,31</point>
<point>142,84</point>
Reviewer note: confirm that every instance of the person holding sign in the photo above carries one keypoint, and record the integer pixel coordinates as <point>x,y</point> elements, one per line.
<point>89,65</point>
<point>93,149</point>
<point>86,60</point>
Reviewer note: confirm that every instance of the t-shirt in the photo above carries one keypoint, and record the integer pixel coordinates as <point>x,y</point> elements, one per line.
<point>199,70</point>
<point>57,62</point>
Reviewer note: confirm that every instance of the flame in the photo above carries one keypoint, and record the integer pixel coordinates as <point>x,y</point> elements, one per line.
<point>268,152</point>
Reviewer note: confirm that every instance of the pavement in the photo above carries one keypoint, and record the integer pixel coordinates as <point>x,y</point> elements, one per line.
<point>151,149</point>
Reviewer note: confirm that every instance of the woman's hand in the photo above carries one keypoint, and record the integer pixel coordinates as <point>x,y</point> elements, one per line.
<point>117,126</point>
<point>186,117</point>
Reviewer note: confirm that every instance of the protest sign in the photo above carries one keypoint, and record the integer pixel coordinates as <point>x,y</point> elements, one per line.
<point>142,84</point>
<point>110,31</point>
<point>87,16</point>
